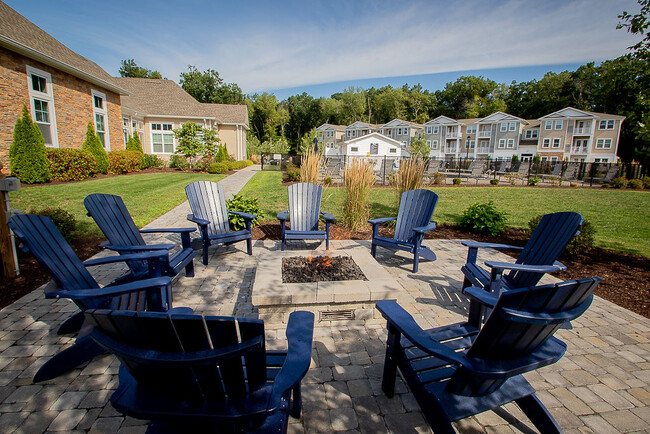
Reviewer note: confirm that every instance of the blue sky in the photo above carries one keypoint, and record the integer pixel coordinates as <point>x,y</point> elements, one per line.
<point>322,47</point>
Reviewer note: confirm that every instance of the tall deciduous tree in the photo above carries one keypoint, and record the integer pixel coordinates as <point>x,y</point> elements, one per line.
<point>638,24</point>
<point>208,87</point>
<point>130,69</point>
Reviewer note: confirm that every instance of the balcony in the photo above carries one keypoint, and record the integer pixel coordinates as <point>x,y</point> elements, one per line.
<point>579,150</point>
<point>450,149</point>
<point>483,150</point>
<point>582,131</point>
<point>484,134</point>
<point>453,135</point>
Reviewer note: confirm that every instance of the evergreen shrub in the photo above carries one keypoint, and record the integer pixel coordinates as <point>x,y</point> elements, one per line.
<point>94,145</point>
<point>27,160</point>
<point>635,183</point>
<point>149,160</point>
<point>64,221</point>
<point>646,181</point>
<point>134,143</point>
<point>293,174</point>
<point>456,181</point>
<point>579,245</point>
<point>120,162</point>
<point>218,168</point>
<point>70,164</point>
<point>484,218</point>
<point>494,181</point>
<point>619,182</point>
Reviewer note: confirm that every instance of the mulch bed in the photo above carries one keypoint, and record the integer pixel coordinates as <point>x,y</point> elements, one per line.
<point>626,278</point>
<point>299,269</point>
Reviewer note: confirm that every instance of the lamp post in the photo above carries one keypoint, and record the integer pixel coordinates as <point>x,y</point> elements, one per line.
<point>315,144</point>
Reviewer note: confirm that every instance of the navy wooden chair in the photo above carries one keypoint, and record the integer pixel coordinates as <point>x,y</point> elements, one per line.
<point>114,220</point>
<point>413,221</point>
<point>188,373</point>
<point>457,371</point>
<point>304,214</point>
<point>208,203</point>
<point>71,280</point>
<point>537,257</point>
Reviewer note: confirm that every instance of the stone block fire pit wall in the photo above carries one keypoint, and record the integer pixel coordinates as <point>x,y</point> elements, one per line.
<point>347,300</point>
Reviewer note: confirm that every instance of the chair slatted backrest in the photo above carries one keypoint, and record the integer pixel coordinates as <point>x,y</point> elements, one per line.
<point>478,169</point>
<point>571,172</point>
<point>140,340</point>
<point>115,221</point>
<point>304,206</point>
<point>522,321</point>
<point>208,201</point>
<point>415,210</point>
<point>547,243</point>
<point>52,251</point>
<point>557,169</point>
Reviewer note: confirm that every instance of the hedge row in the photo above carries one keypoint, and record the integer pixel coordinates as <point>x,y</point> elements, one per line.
<point>225,166</point>
<point>120,162</point>
<point>71,164</point>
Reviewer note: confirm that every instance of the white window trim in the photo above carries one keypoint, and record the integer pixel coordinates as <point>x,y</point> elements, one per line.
<point>354,149</point>
<point>604,144</point>
<point>104,112</point>
<point>502,143</point>
<point>512,126</point>
<point>434,144</point>
<point>606,121</point>
<point>548,125</point>
<point>511,143</point>
<point>558,124</point>
<point>162,132</point>
<point>504,126</point>
<point>556,140</point>
<point>49,97</point>
<point>429,130</point>
<point>436,130</point>
<point>546,143</point>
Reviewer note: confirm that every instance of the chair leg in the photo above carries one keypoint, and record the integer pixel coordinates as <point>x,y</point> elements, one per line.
<point>296,402</point>
<point>538,414</point>
<point>416,261</point>
<point>189,269</point>
<point>390,364</point>
<point>83,350</point>
<point>249,246</point>
<point>206,246</point>
<point>373,249</point>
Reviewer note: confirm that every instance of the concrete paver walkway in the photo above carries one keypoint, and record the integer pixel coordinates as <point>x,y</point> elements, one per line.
<point>601,385</point>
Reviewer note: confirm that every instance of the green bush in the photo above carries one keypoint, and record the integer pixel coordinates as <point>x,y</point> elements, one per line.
<point>646,181</point>
<point>134,143</point>
<point>605,185</point>
<point>203,163</point>
<point>120,162</point>
<point>494,181</point>
<point>70,164</point>
<point>484,218</point>
<point>178,162</point>
<point>149,160</point>
<point>64,221</point>
<point>534,180</point>
<point>439,178</point>
<point>27,159</point>
<point>293,174</point>
<point>328,181</point>
<point>579,245</point>
<point>222,154</point>
<point>456,181</point>
<point>635,183</point>
<point>218,168</point>
<point>619,182</point>
<point>93,145</point>
<point>247,205</point>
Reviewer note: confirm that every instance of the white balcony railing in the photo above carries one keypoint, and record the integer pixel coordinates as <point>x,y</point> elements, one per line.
<point>453,135</point>
<point>450,149</point>
<point>584,131</point>
<point>484,134</point>
<point>579,150</point>
<point>480,150</point>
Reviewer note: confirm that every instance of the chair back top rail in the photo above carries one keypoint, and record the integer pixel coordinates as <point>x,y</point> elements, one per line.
<point>416,208</point>
<point>304,206</point>
<point>208,201</point>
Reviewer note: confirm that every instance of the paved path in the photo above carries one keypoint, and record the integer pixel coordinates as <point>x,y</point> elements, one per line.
<point>601,385</point>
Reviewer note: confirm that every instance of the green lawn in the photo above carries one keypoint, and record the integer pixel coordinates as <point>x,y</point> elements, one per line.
<point>621,217</point>
<point>147,196</point>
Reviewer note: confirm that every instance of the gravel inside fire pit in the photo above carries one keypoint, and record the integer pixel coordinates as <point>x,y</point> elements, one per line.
<point>300,269</point>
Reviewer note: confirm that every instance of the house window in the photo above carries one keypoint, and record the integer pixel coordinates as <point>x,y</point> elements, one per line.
<point>162,138</point>
<point>125,129</point>
<point>531,134</point>
<point>548,125</point>
<point>512,126</point>
<point>511,143</point>
<point>471,129</point>
<point>429,143</point>
<point>553,159</point>
<point>389,132</point>
<point>504,126</point>
<point>606,124</point>
<point>556,143</point>
<point>429,129</point>
<point>392,151</point>
<point>434,144</point>
<point>546,143</point>
<point>558,124</point>
<point>406,131</point>
<point>436,129</point>
<point>502,143</point>
<point>100,114</point>
<point>42,104</point>
<point>354,149</point>
<point>544,159</point>
<point>472,144</point>
<point>374,148</point>
<point>603,143</point>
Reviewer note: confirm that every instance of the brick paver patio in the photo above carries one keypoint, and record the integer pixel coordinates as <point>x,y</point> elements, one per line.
<point>601,385</point>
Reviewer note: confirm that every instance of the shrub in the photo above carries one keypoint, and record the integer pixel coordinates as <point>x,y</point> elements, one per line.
<point>120,162</point>
<point>70,164</point>
<point>217,168</point>
<point>573,184</point>
<point>605,185</point>
<point>310,166</point>
<point>94,145</point>
<point>203,163</point>
<point>439,178</point>
<point>178,162</point>
<point>484,218</point>
<point>359,177</point>
<point>327,181</point>
<point>646,181</point>
<point>222,154</point>
<point>247,205</point>
<point>149,160</point>
<point>635,183</point>
<point>410,176</point>
<point>533,181</point>
<point>581,244</point>
<point>456,181</point>
<point>619,182</point>
<point>134,143</point>
<point>494,181</point>
<point>293,174</point>
<point>27,160</point>
<point>64,221</point>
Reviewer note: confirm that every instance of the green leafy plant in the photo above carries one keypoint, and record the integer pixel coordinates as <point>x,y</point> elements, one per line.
<point>439,178</point>
<point>93,145</point>
<point>27,159</point>
<point>64,221</point>
<point>70,164</point>
<point>533,181</point>
<point>149,160</point>
<point>579,245</point>
<point>494,181</point>
<point>484,218</point>
<point>247,205</point>
<point>605,185</point>
<point>218,168</point>
<point>456,181</point>
<point>646,181</point>
<point>619,182</point>
<point>635,183</point>
<point>120,162</point>
<point>293,174</point>
<point>178,162</point>
<point>134,144</point>
<point>327,181</point>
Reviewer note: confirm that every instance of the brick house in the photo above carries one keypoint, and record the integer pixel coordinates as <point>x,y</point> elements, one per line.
<point>63,90</point>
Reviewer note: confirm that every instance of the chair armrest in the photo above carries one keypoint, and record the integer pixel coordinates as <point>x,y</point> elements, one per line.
<point>481,295</point>
<point>527,268</point>
<point>198,221</point>
<point>145,256</point>
<point>381,220</point>
<point>478,245</point>
<point>113,291</point>
<point>300,333</point>
<point>244,215</point>
<point>423,229</point>
<point>546,318</point>
<point>170,230</point>
<point>282,215</point>
<point>146,248</point>
<point>327,216</point>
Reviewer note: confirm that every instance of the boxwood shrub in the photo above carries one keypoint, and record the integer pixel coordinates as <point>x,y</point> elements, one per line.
<point>71,164</point>
<point>120,162</point>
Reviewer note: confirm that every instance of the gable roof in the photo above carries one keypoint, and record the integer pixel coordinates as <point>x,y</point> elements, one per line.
<point>376,136</point>
<point>229,113</point>
<point>360,124</point>
<point>334,127</point>
<point>20,35</point>
<point>574,113</point>
<point>398,122</point>
<point>500,116</point>
<point>443,120</point>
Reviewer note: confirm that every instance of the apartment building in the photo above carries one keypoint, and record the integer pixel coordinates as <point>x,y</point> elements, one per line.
<point>444,136</point>
<point>402,131</point>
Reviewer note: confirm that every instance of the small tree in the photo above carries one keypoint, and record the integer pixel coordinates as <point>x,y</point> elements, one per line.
<point>211,142</point>
<point>189,143</point>
<point>418,148</point>
<point>94,145</point>
<point>307,143</point>
<point>27,159</point>
<point>134,143</point>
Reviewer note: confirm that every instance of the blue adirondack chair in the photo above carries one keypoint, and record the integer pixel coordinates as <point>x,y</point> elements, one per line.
<point>40,236</point>
<point>413,221</point>
<point>304,213</point>
<point>208,203</point>
<point>538,257</point>
<point>188,373</point>
<point>457,370</point>
<point>114,220</point>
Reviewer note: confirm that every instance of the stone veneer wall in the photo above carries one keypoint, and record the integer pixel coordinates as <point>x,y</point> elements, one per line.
<point>72,104</point>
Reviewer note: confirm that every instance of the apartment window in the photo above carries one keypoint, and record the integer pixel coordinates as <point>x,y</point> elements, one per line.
<point>531,134</point>
<point>504,126</point>
<point>429,143</point>
<point>512,126</point>
<point>558,124</point>
<point>603,143</point>
<point>429,129</point>
<point>162,138</point>
<point>389,132</point>
<point>544,159</point>
<point>125,129</point>
<point>471,129</point>
<point>354,149</point>
<point>502,143</point>
<point>434,144</point>
<point>472,144</point>
<point>553,159</point>
<point>436,129</point>
<point>392,150</point>
<point>606,124</point>
<point>548,125</point>
<point>406,131</point>
<point>546,143</point>
<point>511,143</point>
<point>556,143</point>
<point>100,114</point>
<point>484,144</point>
<point>42,104</point>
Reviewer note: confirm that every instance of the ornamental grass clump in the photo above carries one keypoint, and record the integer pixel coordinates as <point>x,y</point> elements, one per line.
<point>410,176</point>
<point>310,166</point>
<point>359,178</point>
